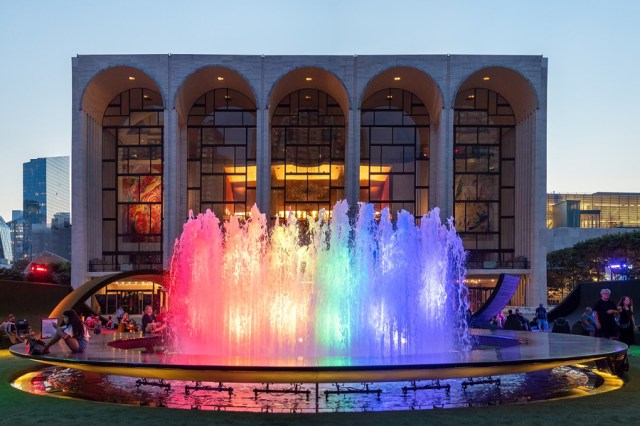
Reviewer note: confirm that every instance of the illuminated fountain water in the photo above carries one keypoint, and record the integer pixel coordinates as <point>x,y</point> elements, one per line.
<point>332,288</point>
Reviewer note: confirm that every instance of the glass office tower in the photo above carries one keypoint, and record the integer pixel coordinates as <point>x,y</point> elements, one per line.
<point>45,192</point>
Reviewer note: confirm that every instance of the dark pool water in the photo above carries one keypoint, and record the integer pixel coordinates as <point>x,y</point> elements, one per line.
<point>515,388</point>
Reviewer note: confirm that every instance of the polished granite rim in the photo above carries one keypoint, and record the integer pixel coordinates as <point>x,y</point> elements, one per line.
<point>505,352</point>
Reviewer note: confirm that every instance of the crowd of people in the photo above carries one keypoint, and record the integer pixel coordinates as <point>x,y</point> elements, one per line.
<point>75,332</point>
<point>604,319</point>
<point>515,320</point>
<point>612,321</point>
<point>150,322</point>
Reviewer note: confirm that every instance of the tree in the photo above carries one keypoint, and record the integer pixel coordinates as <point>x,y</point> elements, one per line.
<point>15,273</point>
<point>588,260</point>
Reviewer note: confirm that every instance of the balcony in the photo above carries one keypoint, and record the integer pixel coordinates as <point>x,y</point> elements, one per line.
<point>499,264</point>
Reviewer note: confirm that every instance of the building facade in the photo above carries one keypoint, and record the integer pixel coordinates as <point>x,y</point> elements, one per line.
<point>597,210</point>
<point>17,234</point>
<point>46,191</point>
<point>54,237</point>
<point>572,218</point>
<point>6,250</point>
<point>157,136</point>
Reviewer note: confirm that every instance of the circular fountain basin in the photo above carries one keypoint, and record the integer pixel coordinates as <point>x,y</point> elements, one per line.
<point>499,352</point>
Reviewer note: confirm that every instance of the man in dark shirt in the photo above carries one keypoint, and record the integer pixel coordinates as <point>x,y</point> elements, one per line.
<point>541,318</point>
<point>512,322</point>
<point>604,312</point>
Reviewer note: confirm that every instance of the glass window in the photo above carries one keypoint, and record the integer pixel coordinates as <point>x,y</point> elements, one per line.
<point>222,162</point>
<point>132,169</point>
<point>307,147</point>
<point>394,147</point>
<point>484,174</point>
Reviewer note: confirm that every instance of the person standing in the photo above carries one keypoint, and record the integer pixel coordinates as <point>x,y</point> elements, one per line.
<point>588,322</point>
<point>541,318</point>
<point>604,312</point>
<point>627,322</point>
<point>119,314</point>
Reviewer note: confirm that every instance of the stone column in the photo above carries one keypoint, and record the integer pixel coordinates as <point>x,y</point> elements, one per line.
<point>263,162</point>
<point>79,261</point>
<point>441,163</point>
<point>174,182</point>
<point>352,157</point>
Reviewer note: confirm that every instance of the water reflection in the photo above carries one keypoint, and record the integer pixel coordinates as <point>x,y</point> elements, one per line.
<point>514,388</point>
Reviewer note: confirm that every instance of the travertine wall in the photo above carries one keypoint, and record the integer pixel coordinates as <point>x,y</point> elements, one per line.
<point>522,80</point>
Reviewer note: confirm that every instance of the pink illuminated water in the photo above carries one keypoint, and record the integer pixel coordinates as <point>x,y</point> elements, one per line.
<point>371,288</point>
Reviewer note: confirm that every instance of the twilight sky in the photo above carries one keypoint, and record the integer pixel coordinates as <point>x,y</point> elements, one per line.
<point>592,46</point>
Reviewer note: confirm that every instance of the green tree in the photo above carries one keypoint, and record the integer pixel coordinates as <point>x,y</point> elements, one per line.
<point>16,272</point>
<point>588,260</point>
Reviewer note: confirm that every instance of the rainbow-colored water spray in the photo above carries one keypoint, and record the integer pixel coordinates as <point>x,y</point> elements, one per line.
<point>360,287</point>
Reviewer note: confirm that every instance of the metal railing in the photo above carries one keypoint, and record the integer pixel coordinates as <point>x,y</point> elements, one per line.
<point>499,264</point>
<point>118,267</point>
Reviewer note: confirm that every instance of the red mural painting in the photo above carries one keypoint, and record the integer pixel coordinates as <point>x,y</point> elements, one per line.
<point>144,219</point>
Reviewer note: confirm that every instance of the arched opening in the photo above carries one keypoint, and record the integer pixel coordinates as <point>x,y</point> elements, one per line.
<point>221,153</point>
<point>400,116</point>
<point>217,116</point>
<point>132,179</point>
<point>484,176</point>
<point>308,137</point>
<point>394,152</point>
<point>131,290</point>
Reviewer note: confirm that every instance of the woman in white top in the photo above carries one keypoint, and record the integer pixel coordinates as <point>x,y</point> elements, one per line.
<point>73,332</point>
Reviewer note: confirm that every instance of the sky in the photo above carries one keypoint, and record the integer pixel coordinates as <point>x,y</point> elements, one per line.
<point>593,52</point>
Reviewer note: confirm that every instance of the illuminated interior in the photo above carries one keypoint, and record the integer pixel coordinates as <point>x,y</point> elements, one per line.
<point>132,295</point>
<point>394,152</point>
<point>238,178</point>
<point>307,153</point>
<point>132,180</point>
<point>484,177</point>
<point>221,157</point>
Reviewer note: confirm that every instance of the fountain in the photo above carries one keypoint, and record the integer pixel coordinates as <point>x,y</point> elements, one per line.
<point>342,299</point>
<point>334,288</point>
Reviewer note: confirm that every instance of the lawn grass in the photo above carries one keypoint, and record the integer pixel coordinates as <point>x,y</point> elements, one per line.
<point>21,408</point>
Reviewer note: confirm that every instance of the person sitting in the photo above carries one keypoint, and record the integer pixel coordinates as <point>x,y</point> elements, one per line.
<point>73,332</point>
<point>561,325</point>
<point>523,321</point>
<point>10,330</point>
<point>149,323</point>
<point>88,321</point>
<point>127,324</point>
<point>512,322</point>
<point>96,322</point>
<point>109,324</point>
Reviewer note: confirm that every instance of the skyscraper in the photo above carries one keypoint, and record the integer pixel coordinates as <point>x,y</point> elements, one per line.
<point>6,253</point>
<point>46,191</point>
<point>17,233</point>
